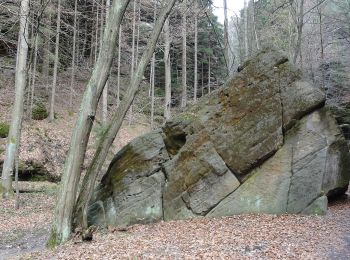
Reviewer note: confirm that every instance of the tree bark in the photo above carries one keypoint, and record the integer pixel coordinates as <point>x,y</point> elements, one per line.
<point>195,84</point>
<point>246,41</point>
<point>117,120</point>
<point>17,112</point>
<point>119,64</point>
<point>184,55</point>
<point>300,25</point>
<point>33,75</point>
<point>80,136</point>
<point>133,52</point>
<point>153,71</point>
<point>55,70</point>
<point>105,90</point>
<point>209,74</point>
<point>167,39</point>
<point>226,40</point>
<point>47,53</point>
<point>72,80</point>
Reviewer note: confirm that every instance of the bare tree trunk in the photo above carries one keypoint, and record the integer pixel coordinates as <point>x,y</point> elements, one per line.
<point>133,52</point>
<point>119,63</point>
<point>72,80</point>
<point>152,79</point>
<point>195,87</point>
<point>153,70</point>
<point>246,42</point>
<point>17,112</point>
<point>105,90</point>
<point>138,32</point>
<point>33,75</point>
<point>184,56</point>
<point>72,170</point>
<point>300,25</point>
<point>167,62</point>
<point>47,53</point>
<point>321,46</point>
<point>117,119</point>
<point>226,41</point>
<point>202,78</point>
<point>209,74</point>
<point>96,33</point>
<point>55,70</point>
<point>93,35</point>
<point>257,41</point>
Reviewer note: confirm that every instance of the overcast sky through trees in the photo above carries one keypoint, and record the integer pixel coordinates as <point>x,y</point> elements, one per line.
<point>232,6</point>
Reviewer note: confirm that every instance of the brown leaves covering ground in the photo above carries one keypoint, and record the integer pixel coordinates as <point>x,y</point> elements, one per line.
<point>237,237</point>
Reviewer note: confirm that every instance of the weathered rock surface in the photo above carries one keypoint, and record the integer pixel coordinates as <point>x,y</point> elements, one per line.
<point>261,143</point>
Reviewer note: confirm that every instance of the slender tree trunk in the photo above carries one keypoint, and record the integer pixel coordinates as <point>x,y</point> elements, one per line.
<point>257,41</point>
<point>96,33</point>
<point>184,55</point>
<point>119,64</point>
<point>133,53</point>
<point>17,112</point>
<point>153,70</point>
<point>138,33</point>
<point>105,90</point>
<point>152,79</point>
<point>321,47</point>
<point>33,75</point>
<point>300,25</point>
<point>117,119</point>
<point>47,53</point>
<point>202,78</point>
<point>167,62</point>
<point>209,74</point>
<point>72,79</point>
<point>55,70</point>
<point>246,41</point>
<point>72,170</point>
<point>226,40</point>
<point>93,34</point>
<point>195,85</point>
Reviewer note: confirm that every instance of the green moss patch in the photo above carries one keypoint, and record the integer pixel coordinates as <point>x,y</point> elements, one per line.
<point>4,130</point>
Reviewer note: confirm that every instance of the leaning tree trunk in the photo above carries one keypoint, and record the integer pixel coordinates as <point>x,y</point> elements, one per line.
<point>55,70</point>
<point>80,136</point>
<point>117,119</point>
<point>17,112</point>
<point>167,62</point>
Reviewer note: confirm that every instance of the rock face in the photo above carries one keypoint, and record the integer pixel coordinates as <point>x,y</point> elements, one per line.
<point>263,143</point>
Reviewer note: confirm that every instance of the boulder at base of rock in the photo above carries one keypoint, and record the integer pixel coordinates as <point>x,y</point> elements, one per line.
<point>262,143</point>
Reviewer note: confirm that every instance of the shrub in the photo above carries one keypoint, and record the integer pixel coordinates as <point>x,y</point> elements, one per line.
<point>39,112</point>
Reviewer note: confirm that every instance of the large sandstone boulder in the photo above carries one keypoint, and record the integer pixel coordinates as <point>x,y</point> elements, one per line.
<point>263,143</point>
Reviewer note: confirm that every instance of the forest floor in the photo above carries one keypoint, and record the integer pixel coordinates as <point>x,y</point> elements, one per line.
<point>24,233</point>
